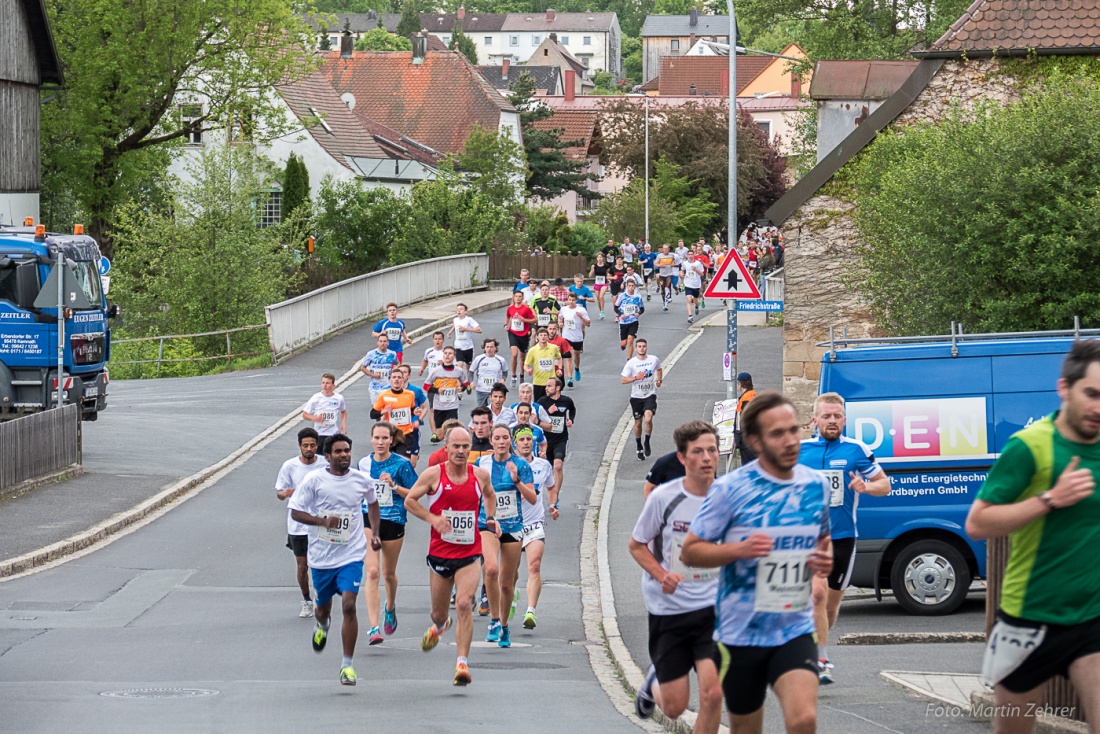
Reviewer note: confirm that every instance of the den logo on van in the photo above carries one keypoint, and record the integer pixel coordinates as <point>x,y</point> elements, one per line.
<point>948,427</point>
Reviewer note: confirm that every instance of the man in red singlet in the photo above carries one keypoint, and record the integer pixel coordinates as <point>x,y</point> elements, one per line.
<point>455,493</point>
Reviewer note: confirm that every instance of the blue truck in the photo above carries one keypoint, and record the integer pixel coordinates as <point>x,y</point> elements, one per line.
<point>936,412</point>
<point>29,329</point>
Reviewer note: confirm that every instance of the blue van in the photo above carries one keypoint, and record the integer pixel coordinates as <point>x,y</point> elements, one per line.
<point>936,412</point>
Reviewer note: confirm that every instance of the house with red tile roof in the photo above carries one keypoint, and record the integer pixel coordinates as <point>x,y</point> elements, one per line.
<point>582,128</point>
<point>552,53</point>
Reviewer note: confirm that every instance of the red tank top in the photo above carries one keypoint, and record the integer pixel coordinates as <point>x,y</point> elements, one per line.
<point>460,502</point>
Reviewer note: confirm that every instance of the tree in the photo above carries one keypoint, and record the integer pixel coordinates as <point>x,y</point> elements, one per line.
<point>494,166</point>
<point>357,226</point>
<point>988,218</point>
<point>464,45</point>
<point>295,185</point>
<point>550,172</point>
<point>379,39</point>
<point>623,214</point>
<point>410,19</point>
<point>131,67</point>
<point>694,212</point>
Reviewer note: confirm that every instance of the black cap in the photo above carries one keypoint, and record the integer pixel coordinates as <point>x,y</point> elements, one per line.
<point>744,377</point>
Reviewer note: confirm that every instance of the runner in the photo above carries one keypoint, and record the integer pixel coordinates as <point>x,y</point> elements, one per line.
<point>679,598</point>
<point>600,271</point>
<point>665,469</point>
<point>527,395</point>
<point>524,412</point>
<point>327,410</point>
<point>498,413</point>
<point>546,307</point>
<point>558,291</point>
<point>610,251</point>
<point>392,477</point>
<point>445,381</point>
<point>681,253</point>
<point>706,257</point>
<point>767,526</point>
<point>543,362</point>
<point>851,470</point>
<point>439,456</point>
<point>574,320</point>
<point>667,265</point>
<point>1041,492</point>
<point>534,518</point>
<point>420,410</point>
<point>512,480</point>
<point>643,372</point>
<point>628,307</point>
<point>433,356</point>
<point>481,430</point>
<point>584,294</point>
<point>517,322</point>
<point>693,283</point>
<point>632,274</point>
<point>524,280</point>
<point>377,365</point>
<point>628,251</point>
<point>618,277</point>
<point>487,370</point>
<point>554,338</point>
<point>398,407</point>
<point>463,327</point>
<point>456,493</point>
<point>330,502</point>
<point>562,412</point>
<point>291,474</point>
<point>647,258</point>
<point>394,328</point>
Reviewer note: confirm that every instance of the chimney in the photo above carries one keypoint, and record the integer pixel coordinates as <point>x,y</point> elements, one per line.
<point>420,48</point>
<point>504,68</point>
<point>570,85</point>
<point>692,90</point>
<point>549,15</point>
<point>796,86</point>
<point>691,39</point>
<point>554,37</point>
<point>461,14</point>
<point>347,44</point>
<point>693,17</point>
<point>724,88</point>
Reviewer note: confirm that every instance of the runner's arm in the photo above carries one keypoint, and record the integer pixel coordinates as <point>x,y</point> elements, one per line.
<point>644,557</point>
<point>344,421</point>
<point>705,554</point>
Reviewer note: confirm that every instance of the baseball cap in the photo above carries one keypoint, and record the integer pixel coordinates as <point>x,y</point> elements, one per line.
<point>744,377</point>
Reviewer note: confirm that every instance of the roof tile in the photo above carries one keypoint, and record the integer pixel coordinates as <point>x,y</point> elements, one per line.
<point>575,125</point>
<point>1019,25</point>
<point>707,73</point>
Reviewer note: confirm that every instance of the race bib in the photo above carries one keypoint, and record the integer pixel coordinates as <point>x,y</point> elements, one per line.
<point>534,531</point>
<point>571,324</point>
<point>339,535</point>
<point>544,319</point>
<point>485,383</point>
<point>517,324</point>
<point>401,416</point>
<point>383,373</point>
<point>384,493</point>
<point>601,280</point>
<point>629,309</point>
<point>1009,645</point>
<point>448,394</point>
<point>394,333</point>
<point>433,363</point>
<point>506,505</point>
<point>783,582</point>
<point>645,386</point>
<point>545,364</point>
<point>689,573</point>
<point>835,477</point>
<point>328,418</point>
<point>463,527</point>
<point>557,423</point>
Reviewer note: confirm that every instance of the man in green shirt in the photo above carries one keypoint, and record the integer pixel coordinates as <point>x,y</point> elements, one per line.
<point>1041,493</point>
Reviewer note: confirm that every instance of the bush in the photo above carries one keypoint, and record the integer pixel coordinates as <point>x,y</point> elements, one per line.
<point>587,238</point>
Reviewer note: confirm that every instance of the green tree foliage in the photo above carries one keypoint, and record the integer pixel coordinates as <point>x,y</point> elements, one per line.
<point>356,6</point>
<point>550,172</point>
<point>548,228</point>
<point>694,212</point>
<point>203,264</point>
<point>494,166</point>
<point>410,18</point>
<point>989,218</point>
<point>356,227</point>
<point>127,65</point>
<point>295,185</point>
<point>379,39</point>
<point>464,45</point>
<point>587,238</point>
<point>623,215</point>
<point>632,59</point>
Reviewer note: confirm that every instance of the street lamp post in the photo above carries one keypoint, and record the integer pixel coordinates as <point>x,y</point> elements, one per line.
<point>647,169</point>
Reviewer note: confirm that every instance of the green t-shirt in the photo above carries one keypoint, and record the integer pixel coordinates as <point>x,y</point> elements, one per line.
<point>1052,574</point>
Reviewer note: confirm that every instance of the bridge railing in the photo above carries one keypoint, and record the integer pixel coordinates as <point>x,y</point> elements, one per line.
<point>309,318</point>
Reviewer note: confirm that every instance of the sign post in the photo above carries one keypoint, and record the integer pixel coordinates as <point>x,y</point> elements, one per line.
<point>733,283</point>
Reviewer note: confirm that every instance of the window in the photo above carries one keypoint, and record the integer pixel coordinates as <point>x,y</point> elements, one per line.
<point>766,126</point>
<point>588,40</point>
<point>334,41</point>
<point>241,126</point>
<point>585,59</point>
<point>446,40</point>
<point>488,40</point>
<point>514,40</point>
<point>675,44</point>
<point>536,40</point>
<point>565,40</point>
<point>188,113</point>
<point>269,209</point>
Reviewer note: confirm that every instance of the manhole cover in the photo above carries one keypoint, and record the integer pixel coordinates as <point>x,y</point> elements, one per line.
<point>517,666</point>
<point>161,693</point>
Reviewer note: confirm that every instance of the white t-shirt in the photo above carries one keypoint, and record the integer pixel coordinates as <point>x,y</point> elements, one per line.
<point>463,339</point>
<point>634,366</point>
<point>541,416</point>
<point>693,274</point>
<point>629,249</point>
<point>544,479</point>
<point>433,356</point>
<point>682,252</point>
<point>291,474</point>
<point>486,371</point>
<point>699,589</point>
<point>447,397</point>
<point>329,408</point>
<point>572,325</point>
<point>324,494</point>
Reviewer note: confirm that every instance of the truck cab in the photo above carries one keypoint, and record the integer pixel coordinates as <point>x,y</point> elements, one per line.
<point>29,328</point>
<point>936,412</point>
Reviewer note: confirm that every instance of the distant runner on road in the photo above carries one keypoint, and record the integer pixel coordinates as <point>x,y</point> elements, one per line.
<point>291,474</point>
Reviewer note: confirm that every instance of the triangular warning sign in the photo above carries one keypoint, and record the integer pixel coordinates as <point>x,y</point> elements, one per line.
<point>732,280</point>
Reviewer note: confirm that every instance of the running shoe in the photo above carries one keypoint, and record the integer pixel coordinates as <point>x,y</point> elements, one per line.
<point>647,449</point>
<point>825,672</point>
<point>641,455</point>
<point>643,699</point>
<point>431,637</point>
<point>513,380</point>
<point>505,638</point>
<point>569,383</point>
<point>389,622</point>
<point>375,636</point>
<point>577,374</point>
<point>702,303</point>
<point>691,319</point>
<point>494,632</point>
<point>320,638</point>
<point>529,621</point>
<point>454,591</point>
<point>515,601</point>
<point>483,606</point>
<point>307,610</point>
<point>601,315</point>
<point>665,307</point>
<point>648,297</point>
<point>469,389</point>
<point>435,438</point>
<point>462,675</point>
<point>347,676</point>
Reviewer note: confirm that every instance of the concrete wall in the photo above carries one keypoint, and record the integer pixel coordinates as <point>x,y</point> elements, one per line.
<point>837,118</point>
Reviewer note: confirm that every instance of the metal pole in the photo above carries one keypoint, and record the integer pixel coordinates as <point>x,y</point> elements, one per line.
<point>647,169</point>
<point>60,327</point>
<point>731,204</point>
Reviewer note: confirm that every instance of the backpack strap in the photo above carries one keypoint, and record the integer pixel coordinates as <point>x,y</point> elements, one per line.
<point>658,542</point>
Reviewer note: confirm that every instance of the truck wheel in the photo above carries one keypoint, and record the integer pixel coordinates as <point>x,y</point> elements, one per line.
<point>930,577</point>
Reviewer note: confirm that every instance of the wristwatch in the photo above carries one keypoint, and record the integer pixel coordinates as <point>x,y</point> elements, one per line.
<point>1048,500</point>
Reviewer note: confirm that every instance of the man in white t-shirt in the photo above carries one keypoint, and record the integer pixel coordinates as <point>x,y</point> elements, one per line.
<point>574,320</point>
<point>628,250</point>
<point>644,374</point>
<point>534,517</point>
<point>327,410</point>
<point>693,271</point>
<point>679,598</point>
<point>330,501</point>
<point>463,329</point>
<point>487,369</point>
<point>433,357</point>
<point>291,474</point>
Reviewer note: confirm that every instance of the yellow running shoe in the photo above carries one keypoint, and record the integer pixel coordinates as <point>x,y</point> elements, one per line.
<point>431,637</point>
<point>462,675</point>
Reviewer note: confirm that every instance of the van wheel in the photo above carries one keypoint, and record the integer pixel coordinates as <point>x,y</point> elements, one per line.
<point>930,577</point>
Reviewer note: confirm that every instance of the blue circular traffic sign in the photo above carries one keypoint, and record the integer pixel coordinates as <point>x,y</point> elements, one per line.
<point>104,266</point>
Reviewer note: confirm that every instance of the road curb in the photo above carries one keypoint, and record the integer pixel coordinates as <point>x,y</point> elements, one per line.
<point>611,661</point>
<point>175,494</point>
<point>69,472</point>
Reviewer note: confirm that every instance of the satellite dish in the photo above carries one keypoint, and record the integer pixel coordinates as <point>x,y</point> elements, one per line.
<point>348,99</point>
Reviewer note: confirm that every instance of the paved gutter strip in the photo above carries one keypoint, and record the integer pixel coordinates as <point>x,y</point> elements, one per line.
<point>70,472</point>
<point>175,494</point>
<point>909,638</point>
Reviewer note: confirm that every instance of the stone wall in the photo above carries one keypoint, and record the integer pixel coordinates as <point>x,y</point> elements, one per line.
<point>821,236</point>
